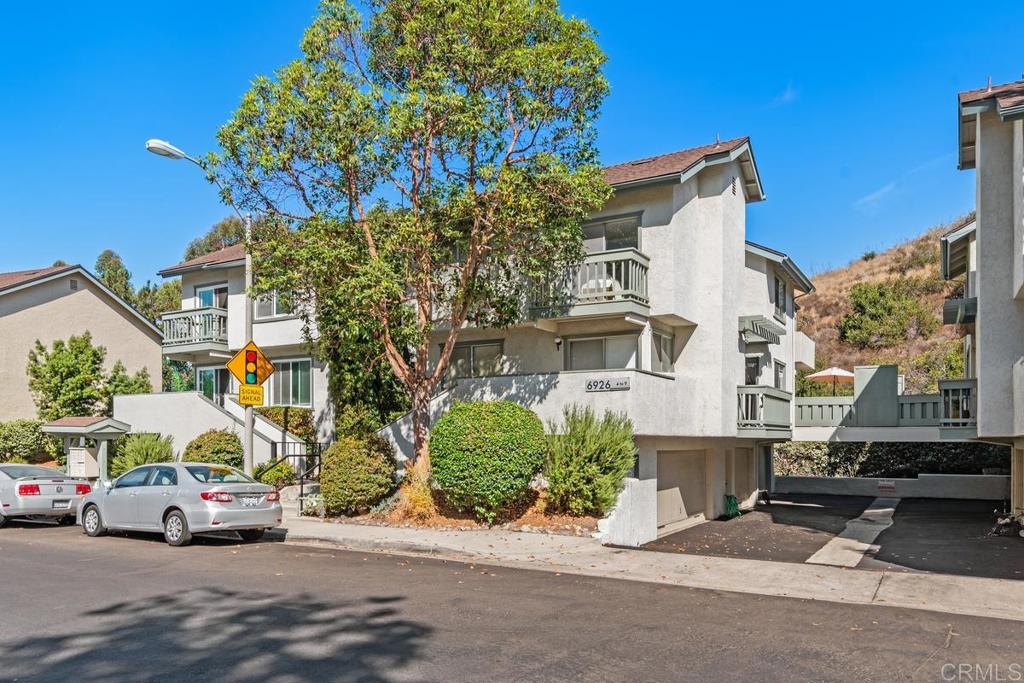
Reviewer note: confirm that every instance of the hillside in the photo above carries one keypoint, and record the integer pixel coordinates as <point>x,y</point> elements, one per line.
<point>886,308</point>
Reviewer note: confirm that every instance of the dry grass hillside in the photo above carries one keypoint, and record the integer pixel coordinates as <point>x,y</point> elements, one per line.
<point>894,317</point>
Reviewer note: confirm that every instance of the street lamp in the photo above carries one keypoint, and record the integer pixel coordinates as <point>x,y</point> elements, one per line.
<point>167,150</point>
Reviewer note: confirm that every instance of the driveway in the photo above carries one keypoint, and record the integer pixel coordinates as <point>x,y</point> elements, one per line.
<point>791,529</point>
<point>927,535</point>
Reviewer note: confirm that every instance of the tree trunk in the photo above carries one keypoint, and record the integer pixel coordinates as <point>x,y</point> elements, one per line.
<point>420,430</point>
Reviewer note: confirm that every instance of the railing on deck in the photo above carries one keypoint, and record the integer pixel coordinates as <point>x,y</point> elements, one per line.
<point>959,402</point>
<point>762,407</point>
<point>618,275</point>
<point>195,326</point>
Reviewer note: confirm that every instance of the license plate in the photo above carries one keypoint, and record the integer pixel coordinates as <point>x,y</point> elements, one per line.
<point>61,504</point>
<point>249,501</point>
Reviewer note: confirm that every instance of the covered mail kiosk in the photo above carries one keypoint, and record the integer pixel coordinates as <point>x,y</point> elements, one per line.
<point>82,460</point>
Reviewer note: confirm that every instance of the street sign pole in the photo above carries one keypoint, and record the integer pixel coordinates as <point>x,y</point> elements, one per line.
<point>249,417</point>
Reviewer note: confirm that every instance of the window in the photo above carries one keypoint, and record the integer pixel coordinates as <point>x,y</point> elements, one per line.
<point>165,476</point>
<point>274,305</point>
<point>752,371</point>
<point>780,375</point>
<point>661,353</point>
<point>603,353</point>
<point>218,474</point>
<point>619,233</point>
<point>780,298</point>
<point>213,383</point>
<point>476,359</point>
<point>212,297</point>
<point>134,478</point>
<point>291,384</point>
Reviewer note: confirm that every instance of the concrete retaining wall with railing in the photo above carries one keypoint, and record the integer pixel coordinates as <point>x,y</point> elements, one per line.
<point>956,486</point>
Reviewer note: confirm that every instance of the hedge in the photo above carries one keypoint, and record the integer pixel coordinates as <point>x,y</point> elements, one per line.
<point>296,420</point>
<point>280,475</point>
<point>140,449</point>
<point>24,441</point>
<point>217,446</point>
<point>878,459</point>
<point>355,474</point>
<point>484,455</point>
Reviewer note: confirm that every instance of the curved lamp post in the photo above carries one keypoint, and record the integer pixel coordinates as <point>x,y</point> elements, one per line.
<point>165,149</point>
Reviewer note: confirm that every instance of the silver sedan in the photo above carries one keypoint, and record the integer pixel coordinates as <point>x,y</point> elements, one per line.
<point>31,491</point>
<point>181,499</point>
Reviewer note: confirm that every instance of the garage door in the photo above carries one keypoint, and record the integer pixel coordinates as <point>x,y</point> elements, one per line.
<point>681,477</point>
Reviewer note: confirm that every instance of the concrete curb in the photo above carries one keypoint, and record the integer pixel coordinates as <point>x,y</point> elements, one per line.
<point>992,598</point>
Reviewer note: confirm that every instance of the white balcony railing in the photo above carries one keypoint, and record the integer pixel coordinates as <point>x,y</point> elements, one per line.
<point>195,326</point>
<point>603,277</point>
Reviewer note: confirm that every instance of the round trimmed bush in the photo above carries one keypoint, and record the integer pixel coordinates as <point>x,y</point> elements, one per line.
<point>356,473</point>
<point>217,447</point>
<point>483,455</point>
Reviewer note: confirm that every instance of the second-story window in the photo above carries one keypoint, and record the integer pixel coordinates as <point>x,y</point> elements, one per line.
<point>780,375</point>
<point>273,305</point>
<point>618,233</point>
<point>212,297</point>
<point>780,298</point>
<point>476,359</point>
<point>661,353</point>
<point>601,353</point>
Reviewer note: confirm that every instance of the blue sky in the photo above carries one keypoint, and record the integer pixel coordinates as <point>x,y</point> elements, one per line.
<point>851,109</point>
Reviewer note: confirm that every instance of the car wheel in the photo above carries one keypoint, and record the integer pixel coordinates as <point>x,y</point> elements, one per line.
<point>92,523</point>
<point>176,531</point>
<point>251,535</point>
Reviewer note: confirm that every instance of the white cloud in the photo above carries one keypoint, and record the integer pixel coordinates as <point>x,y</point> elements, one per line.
<point>790,94</point>
<point>872,199</point>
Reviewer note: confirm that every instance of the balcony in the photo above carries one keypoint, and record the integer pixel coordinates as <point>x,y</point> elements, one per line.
<point>606,283</point>
<point>959,407</point>
<point>763,412</point>
<point>199,330</point>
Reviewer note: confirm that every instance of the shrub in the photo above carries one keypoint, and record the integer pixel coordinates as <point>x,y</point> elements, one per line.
<point>587,461</point>
<point>888,313</point>
<point>355,474</point>
<point>868,256</point>
<point>356,420</point>
<point>280,475</point>
<point>296,420</point>
<point>217,446</point>
<point>484,455</point>
<point>140,449</point>
<point>22,441</point>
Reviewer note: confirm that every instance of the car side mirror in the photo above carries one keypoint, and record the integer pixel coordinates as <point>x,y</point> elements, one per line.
<point>107,485</point>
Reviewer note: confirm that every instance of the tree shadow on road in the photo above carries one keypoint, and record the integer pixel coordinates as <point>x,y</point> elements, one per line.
<point>220,634</point>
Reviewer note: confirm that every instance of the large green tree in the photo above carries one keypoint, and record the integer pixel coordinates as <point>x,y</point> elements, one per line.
<point>224,233</point>
<point>431,158</point>
<point>69,379</point>
<point>112,271</point>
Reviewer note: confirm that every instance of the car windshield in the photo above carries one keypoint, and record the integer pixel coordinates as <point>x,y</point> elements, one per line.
<point>218,474</point>
<point>19,471</point>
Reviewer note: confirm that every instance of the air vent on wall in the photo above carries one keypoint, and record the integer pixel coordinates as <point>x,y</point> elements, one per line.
<point>74,284</point>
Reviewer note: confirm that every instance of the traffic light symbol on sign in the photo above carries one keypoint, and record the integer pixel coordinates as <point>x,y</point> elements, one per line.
<point>250,367</point>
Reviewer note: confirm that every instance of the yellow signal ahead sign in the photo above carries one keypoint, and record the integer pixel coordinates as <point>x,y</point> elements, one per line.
<point>250,366</point>
<point>250,395</point>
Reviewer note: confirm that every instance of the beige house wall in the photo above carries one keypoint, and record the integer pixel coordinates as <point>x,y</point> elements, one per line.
<point>52,310</point>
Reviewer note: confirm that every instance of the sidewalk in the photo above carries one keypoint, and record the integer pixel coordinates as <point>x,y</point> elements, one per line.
<point>585,556</point>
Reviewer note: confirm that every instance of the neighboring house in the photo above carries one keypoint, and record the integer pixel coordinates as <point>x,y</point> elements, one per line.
<point>990,254</point>
<point>673,318</point>
<point>207,331</point>
<point>47,304</point>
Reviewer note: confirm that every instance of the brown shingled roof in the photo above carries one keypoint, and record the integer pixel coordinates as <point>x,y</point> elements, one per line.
<point>1005,94</point>
<point>236,252</point>
<point>18,277</point>
<point>84,421</point>
<point>666,164</point>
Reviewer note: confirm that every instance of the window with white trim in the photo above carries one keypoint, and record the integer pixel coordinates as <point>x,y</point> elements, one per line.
<point>780,375</point>
<point>274,305</point>
<point>213,296</point>
<point>476,359</point>
<point>292,383</point>
<point>602,353</point>
<point>661,352</point>
<point>780,298</point>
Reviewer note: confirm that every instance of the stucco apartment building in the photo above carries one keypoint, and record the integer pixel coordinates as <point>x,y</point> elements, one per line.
<point>207,331</point>
<point>989,254</point>
<point>48,304</point>
<point>673,318</point>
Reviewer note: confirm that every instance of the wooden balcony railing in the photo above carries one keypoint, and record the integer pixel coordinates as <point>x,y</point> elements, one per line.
<point>959,402</point>
<point>195,326</point>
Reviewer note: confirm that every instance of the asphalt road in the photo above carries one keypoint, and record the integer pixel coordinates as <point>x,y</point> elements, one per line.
<point>124,609</point>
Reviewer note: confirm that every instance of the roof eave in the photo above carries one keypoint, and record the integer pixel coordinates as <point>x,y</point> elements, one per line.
<point>753,190</point>
<point>788,265</point>
<point>175,271</point>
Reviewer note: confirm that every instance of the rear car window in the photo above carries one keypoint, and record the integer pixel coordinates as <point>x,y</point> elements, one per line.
<point>19,471</point>
<point>218,474</point>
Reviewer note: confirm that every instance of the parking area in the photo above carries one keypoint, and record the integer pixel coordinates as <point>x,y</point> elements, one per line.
<point>926,535</point>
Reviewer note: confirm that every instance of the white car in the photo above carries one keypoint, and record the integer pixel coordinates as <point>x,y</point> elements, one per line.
<point>180,499</point>
<point>31,491</point>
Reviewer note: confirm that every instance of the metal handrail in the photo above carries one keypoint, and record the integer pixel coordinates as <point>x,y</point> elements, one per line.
<point>309,452</point>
